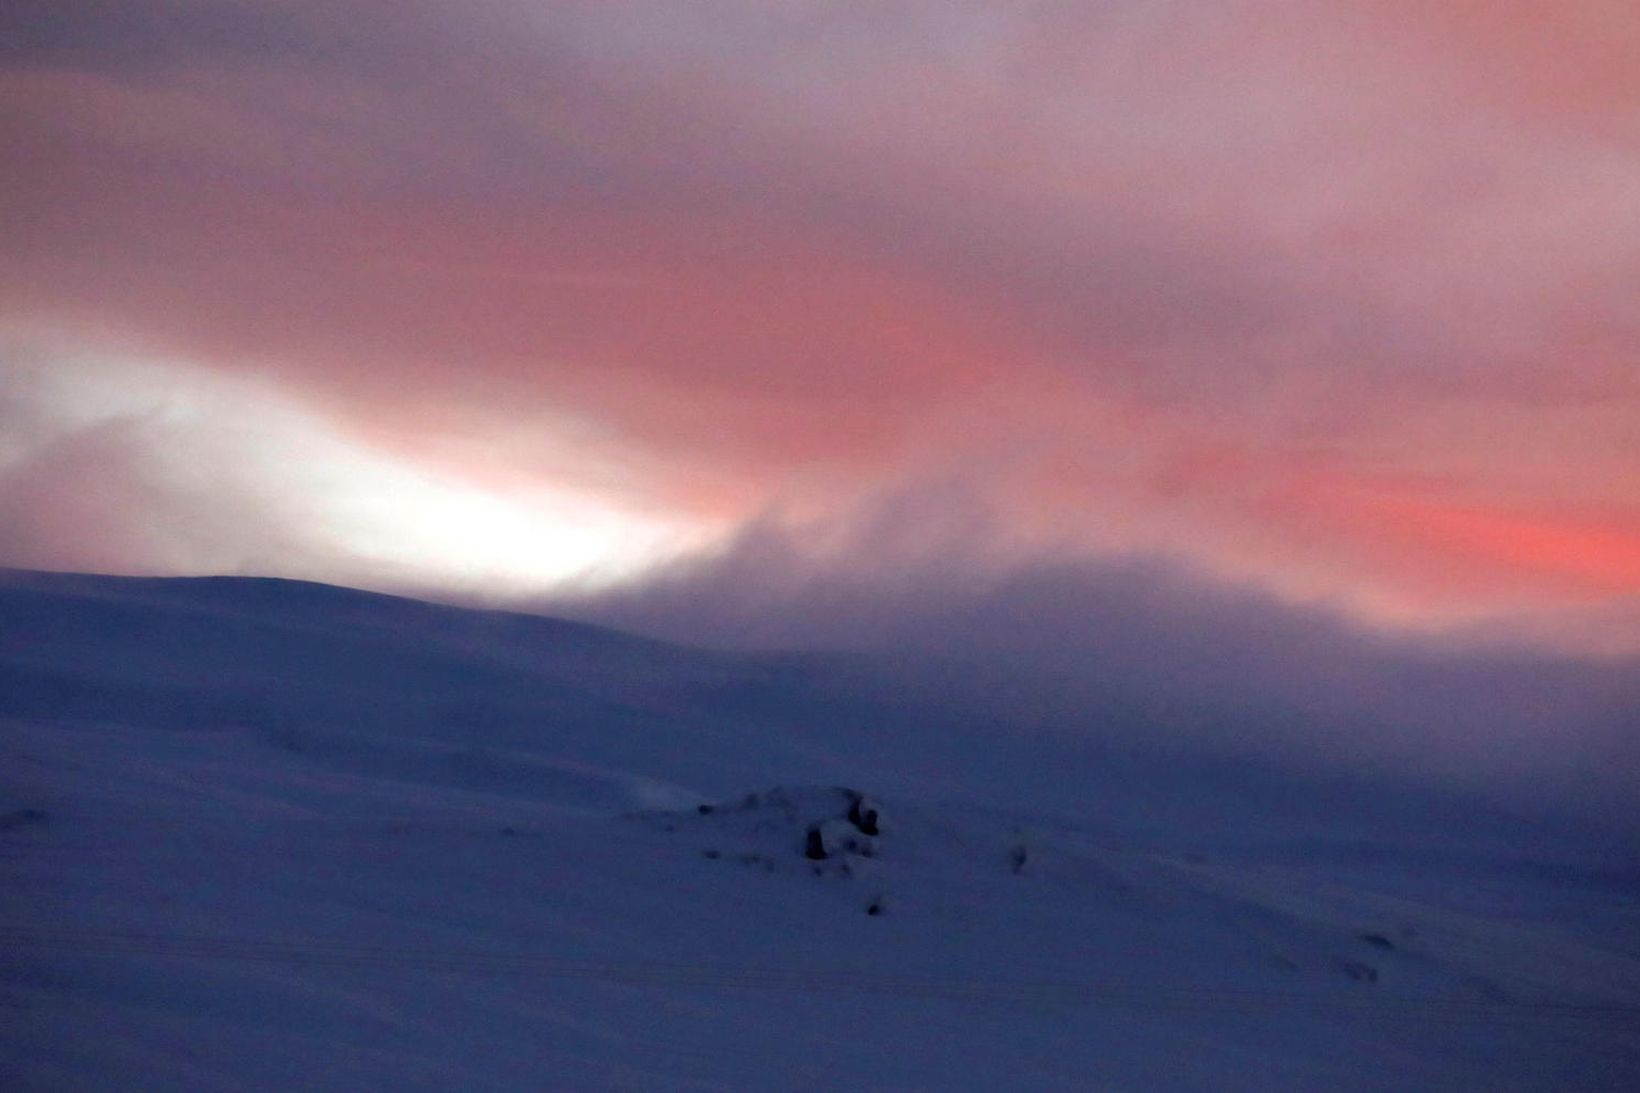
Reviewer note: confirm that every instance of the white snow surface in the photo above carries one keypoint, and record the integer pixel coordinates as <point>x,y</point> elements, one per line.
<point>235,896</point>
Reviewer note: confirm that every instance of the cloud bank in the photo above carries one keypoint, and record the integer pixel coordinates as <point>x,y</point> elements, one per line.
<point>1145,654</point>
<point>1332,298</point>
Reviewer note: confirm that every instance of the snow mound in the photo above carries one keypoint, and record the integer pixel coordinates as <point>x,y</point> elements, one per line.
<point>839,833</point>
<point>820,830</point>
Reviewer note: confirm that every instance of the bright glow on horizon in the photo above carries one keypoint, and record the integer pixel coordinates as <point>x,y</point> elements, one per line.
<point>340,510</point>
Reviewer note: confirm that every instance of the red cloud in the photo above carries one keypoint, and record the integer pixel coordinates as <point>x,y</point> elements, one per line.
<point>1194,281</point>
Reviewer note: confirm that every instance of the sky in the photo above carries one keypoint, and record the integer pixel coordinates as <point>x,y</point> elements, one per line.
<point>737,316</point>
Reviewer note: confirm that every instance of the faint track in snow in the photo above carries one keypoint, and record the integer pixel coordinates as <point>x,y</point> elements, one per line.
<point>1171,999</point>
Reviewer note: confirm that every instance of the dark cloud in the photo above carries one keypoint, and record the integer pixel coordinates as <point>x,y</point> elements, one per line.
<point>107,35</point>
<point>1150,654</point>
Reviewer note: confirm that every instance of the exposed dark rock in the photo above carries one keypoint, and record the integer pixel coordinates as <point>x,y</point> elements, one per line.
<point>862,815</point>
<point>814,845</point>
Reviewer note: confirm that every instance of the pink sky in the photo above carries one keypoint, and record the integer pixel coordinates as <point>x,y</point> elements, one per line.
<point>1335,298</point>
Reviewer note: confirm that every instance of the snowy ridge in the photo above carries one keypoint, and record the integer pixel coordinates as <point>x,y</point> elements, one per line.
<point>337,890</point>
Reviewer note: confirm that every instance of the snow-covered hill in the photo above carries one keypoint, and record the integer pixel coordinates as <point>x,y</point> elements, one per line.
<point>263,835</point>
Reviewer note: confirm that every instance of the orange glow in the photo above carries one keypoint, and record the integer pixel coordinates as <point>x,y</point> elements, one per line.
<point>1587,558</point>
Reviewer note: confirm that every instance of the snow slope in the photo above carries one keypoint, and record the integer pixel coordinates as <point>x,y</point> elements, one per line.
<point>264,835</point>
